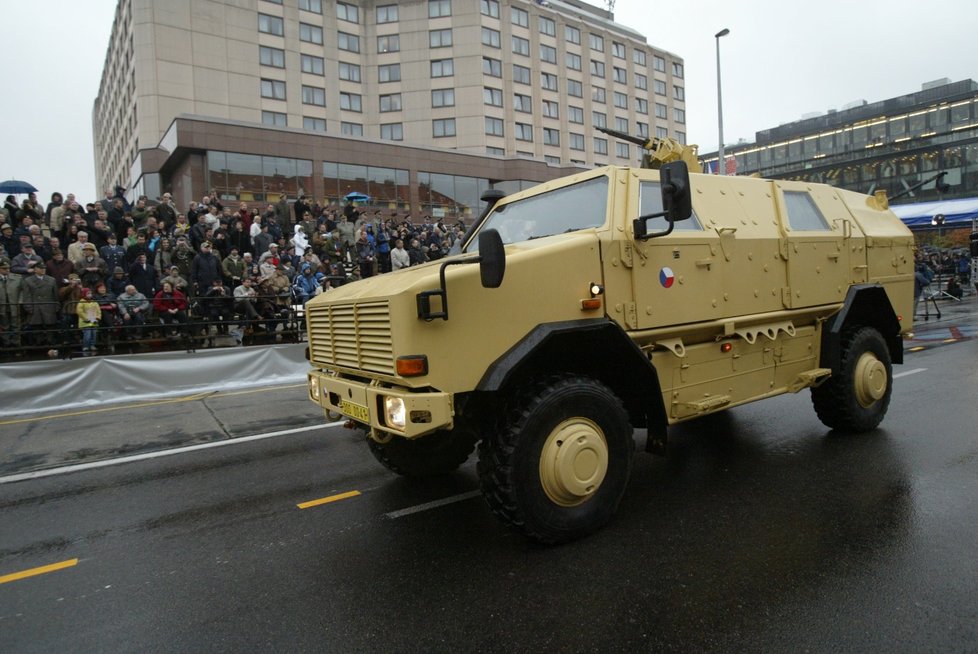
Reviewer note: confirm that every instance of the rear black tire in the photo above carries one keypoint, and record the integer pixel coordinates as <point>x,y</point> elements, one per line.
<point>856,399</point>
<point>428,456</point>
<point>557,466</point>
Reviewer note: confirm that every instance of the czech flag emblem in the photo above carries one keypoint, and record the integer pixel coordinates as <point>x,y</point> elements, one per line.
<point>666,277</point>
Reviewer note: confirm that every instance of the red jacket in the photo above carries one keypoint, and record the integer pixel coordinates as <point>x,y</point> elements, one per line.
<point>163,302</point>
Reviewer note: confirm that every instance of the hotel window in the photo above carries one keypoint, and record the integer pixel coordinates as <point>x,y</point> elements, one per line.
<point>596,42</point>
<point>597,95</point>
<point>551,136</point>
<point>522,103</point>
<point>313,95</point>
<point>443,127</point>
<point>597,68</point>
<point>661,111</point>
<point>493,67</point>
<point>618,49</point>
<point>659,86</point>
<point>392,132</point>
<point>387,14</point>
<point>271,57</point>
<point>490,8</point>
<point>679,115</point>
<point>600,146</point>
<point>519,17</point>
<point>548,26</point>
<point>641,82</point>
<point>389,73</point>
<point>572,61</point>
<point>638,57</point>
<point>439,38</point>
<point>314,124</point>
<point>661,132</point>
<point>443,98</point>
<point>521,74</point>
<point>349,13</point>
<point>271,25</point>
<point>314,6</point>
<point>492,97</point>
<point>621,75</point>
<point>599,119</point>
<point>521,46</point>
<point>389,43</point>
<point>641,106</point>
<point>273,118</point>
<point>572,34</point>
<point>677,70</point>
<point>349,72</point>
<point>439,8</point>
<point>351,102</point>
<point>621,124</point>
<point>576,141</point>
<point>575,88</point>
<point>348,42</point>
<point>575,115</point>
<point>490,37</point>
<point>548,81</point>
<point>273,88</point>
<point>494,126</point>
<point>524,132</point>
<point>621,100</point>
<point>642,129</point>
<point>621,150</point>
<point>310,64</point>
<point>310,33</point>
<point>442,68</point>
<point>351,129</point>
<point>679,93</point>
<point>551,109</point>
<point>548,54</point>
<point>391,102</point>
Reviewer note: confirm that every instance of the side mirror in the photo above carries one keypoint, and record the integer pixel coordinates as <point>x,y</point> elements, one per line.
<point>492,258</point>
<point>676,198</point>
<point>491,197</point>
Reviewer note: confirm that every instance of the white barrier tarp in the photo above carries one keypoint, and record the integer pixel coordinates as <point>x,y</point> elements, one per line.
<point>35,386</point>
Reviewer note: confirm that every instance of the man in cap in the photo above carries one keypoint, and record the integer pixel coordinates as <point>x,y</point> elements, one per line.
<point>175,280</point>
<point>92,269</point>
<point>233,268</point>
<point>10,293</point>
<point>204,269</point>
<point>39,297</point>
<point>59,268</point>
<point>23,263</point>
<point>8,243</point>
<point>112,253</point>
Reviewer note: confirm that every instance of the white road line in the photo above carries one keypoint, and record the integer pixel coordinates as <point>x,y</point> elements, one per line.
<point>431,505</point>
<point>50,472</point>
<point>907,373</point>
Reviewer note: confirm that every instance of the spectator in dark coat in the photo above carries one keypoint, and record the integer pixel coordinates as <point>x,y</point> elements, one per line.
<point>143,276</point>
<point>205,268</point>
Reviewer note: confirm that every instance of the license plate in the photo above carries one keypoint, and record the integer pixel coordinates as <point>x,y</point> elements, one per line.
<point>355,411</point>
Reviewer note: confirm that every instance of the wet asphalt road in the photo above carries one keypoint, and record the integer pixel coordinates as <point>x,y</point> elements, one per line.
<point>761,531</point>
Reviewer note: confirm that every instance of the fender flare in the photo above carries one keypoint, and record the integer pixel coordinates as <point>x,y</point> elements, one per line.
<point>865,304</point>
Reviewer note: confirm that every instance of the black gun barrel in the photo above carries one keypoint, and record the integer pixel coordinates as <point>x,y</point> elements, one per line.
<point>637,140</point>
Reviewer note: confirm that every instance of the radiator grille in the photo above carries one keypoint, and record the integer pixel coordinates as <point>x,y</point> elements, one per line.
<point>352,336</point>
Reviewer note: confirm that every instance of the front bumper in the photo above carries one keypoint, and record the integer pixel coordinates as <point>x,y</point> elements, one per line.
<point>364,402</point>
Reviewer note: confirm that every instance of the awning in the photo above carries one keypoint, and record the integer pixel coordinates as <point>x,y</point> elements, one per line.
<point>958,213</point>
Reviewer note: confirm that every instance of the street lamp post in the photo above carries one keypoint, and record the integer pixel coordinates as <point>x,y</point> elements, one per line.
<point>721,165</point>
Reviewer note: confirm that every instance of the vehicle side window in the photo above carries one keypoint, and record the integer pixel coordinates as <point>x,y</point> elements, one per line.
<point>650,201</point>
<point>803,213</point>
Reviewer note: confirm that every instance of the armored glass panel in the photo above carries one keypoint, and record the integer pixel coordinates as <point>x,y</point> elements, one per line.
<point>803,213</point>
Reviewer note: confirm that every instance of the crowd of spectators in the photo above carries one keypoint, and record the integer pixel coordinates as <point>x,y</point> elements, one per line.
<point>115,265</point>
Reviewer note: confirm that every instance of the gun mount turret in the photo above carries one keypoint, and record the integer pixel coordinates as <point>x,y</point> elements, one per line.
<point>659,151</point>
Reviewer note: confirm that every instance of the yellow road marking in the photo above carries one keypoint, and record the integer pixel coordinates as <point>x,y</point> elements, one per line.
<point>950,340</point>
<point>917,349</point>
<point>327,500</point>
<point>141,405</point>
<point>33,572</point>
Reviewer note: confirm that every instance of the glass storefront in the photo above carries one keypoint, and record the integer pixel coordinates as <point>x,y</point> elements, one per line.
<point>451,197</point>
<point>255,178</point>
<point>386,187</point>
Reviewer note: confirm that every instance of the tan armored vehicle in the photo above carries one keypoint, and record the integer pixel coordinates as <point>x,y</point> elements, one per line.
<point>580,310</point>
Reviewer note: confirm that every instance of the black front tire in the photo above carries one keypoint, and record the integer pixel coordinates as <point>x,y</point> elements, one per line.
<point>557,466</point>
<point>427,456</point>
<point>856,399</point>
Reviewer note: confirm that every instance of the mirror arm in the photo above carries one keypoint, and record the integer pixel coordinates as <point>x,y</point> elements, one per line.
<point>424,297</point>
<point>642,235</point>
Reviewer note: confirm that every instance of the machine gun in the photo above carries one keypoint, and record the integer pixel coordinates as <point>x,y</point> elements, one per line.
<point>660,150</point>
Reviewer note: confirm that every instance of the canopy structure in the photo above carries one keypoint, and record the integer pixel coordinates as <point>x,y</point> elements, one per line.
<point>956,213</point>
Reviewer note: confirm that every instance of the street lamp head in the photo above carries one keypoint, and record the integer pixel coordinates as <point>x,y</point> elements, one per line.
<point>722,32</point>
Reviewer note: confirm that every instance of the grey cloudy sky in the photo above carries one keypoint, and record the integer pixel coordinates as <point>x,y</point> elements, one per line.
<point>781,59</point>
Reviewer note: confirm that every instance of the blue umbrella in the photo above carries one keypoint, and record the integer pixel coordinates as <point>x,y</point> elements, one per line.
<point>16,186</point>
<point>356,196</point>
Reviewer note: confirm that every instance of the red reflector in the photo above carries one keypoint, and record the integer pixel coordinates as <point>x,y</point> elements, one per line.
<point>899,318</point>
<point>413,365</point>
<point>591,304</point>
<point>726,347</point>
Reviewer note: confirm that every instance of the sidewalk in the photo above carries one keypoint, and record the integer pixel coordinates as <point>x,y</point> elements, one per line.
<point>958,321</point>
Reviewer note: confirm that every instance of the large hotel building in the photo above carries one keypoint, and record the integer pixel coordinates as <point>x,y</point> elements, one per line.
<point>420,104</point>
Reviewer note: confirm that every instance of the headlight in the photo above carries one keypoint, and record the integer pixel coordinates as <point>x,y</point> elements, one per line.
<point>314,389</point>
<point>396,414</point>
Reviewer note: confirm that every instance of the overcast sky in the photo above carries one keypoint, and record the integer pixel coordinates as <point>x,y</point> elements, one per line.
<point>782,59</point>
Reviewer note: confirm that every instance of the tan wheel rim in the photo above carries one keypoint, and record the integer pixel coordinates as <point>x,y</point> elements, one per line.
<point>573,462</point>
<point>870,379</point>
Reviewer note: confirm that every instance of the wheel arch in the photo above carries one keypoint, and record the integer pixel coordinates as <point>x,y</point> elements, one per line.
<point>598,348</point>
<point>865,304</point>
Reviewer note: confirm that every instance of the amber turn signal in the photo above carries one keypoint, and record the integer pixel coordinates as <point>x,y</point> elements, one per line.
<point>591,304</point>
<point>413,365</point>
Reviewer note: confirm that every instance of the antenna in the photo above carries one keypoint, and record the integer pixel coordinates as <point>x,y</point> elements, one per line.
<point>610,4</point>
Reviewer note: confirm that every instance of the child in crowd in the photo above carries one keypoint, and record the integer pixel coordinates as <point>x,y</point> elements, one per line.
<point>89,315</point>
